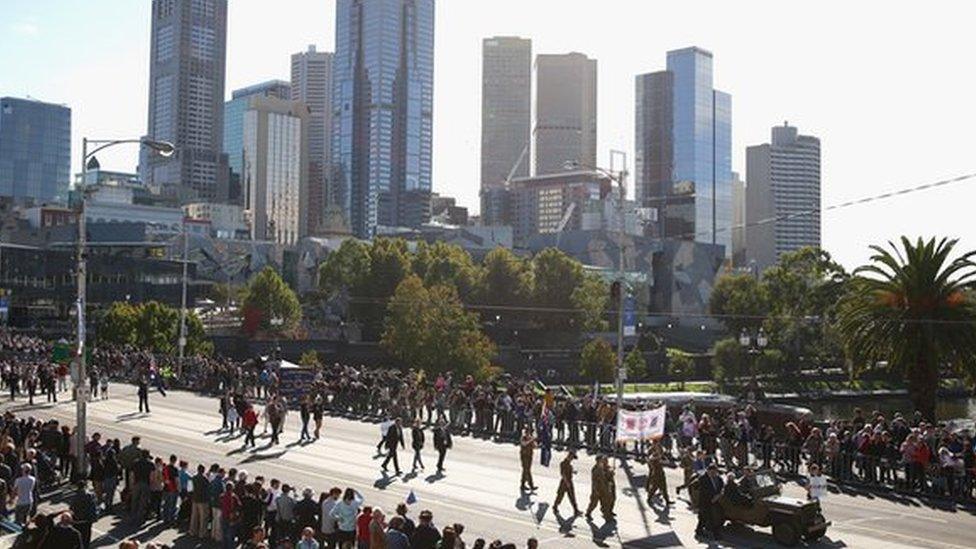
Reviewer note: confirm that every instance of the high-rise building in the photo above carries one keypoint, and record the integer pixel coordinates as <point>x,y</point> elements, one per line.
<point>35,149</point>
<point>554,203</point>
<point>782,196</point>
<point>186,97</point>
<point>275,169</point>
<point>506,116</point>
<point>565,123</point>
<point>382,108</point>
<point>234,128</point>
<point>738,221</point>
<point>684,150</point>
<point>311,83</point>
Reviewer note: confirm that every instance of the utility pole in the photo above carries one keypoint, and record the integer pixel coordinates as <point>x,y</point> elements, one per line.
<point>621,298</point>
<point>182,341</point>
<point>81,387</point>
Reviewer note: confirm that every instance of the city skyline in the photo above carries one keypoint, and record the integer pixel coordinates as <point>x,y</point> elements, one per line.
<point>816,85</point>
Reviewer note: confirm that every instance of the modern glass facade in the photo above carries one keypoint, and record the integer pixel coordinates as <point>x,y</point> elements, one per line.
<point>35,149</point>
<point>684,149</point>
<point>566,117</point>
<point>311,83</point>
<point>234,127</point>
<point>383,76</point>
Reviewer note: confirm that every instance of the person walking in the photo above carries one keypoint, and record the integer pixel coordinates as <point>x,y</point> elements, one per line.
<point>598,486</point>
<point>394,437</point>
<point>305,412</point>
<point>250,422</point>
<point>710,489</point>
<point>656,480</point>
<point>417,443</point>
<point>566,488</point>
<point>318,412</point>
<point>526,449</point>
<point>442,443</point>
<point>143,393</point>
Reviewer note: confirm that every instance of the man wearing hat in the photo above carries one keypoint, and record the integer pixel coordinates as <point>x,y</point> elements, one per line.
<point>566,488</point>
<point>709,491</point>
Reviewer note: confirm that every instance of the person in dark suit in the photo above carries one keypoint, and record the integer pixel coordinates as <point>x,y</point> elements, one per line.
<point>417,443</point>
<point>143,393</point>
<point>442,442</point>
<point>710,488</point>
<point>394,437</point>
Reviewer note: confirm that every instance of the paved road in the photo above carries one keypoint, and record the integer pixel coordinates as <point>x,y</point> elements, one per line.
<point>480,486</point>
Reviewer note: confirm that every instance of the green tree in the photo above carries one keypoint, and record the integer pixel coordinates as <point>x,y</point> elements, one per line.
<point>268,297</point>
<point>803,289</point>
<point>152,326</point>
<point>636,365</point>
<point>556,277</point>
<point>345,269</point>
<point>680,366</point>
<point>909,307</point>
<point>505,287</point>
<point>729,360</point>
<point>428,328</point>
<point>590,299</point>
<point>597,361</point>
<point>441,263</point>
<point>309,359</point>
<point>740,301</point>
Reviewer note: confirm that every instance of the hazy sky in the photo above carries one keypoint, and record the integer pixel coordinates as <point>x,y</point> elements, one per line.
<point>889,87</point>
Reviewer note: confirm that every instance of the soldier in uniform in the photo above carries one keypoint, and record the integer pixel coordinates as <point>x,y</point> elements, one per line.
<point>598,486</point>
<point>656,481</point>
<point>526,449</point>
<point>566,488</point>
<point>610,492</point>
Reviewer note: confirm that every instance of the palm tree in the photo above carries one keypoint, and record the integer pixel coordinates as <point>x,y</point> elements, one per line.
<point>913,308</point>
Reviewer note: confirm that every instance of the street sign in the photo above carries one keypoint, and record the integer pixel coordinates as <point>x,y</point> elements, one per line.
<point>630,316</point>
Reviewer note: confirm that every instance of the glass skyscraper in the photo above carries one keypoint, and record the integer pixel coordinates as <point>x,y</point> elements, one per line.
<point>35,149</point>
<point>234,110</point>
<point>382,103</point>
<point>684,149</point>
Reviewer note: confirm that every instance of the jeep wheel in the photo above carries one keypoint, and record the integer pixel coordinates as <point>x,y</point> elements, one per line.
<point>785,534</point>
<point>815,535</point>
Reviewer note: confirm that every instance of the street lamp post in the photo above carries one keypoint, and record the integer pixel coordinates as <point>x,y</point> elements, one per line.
<point>163,148</point>
<point>761,342</point>
<point>620,178</point>
<point>182,341</point>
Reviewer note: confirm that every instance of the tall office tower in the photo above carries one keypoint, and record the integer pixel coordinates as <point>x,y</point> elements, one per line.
<point>783,185</point>
<point>186,98</point>
<point>738,221</point>
<point>506,118</point>
<point>35,149</point>
<point>382,105</point>
<point>234,128</point>
<point>565,118</point>
<point>275,151</point>
<point>684,150</point>
<point>311,83</point>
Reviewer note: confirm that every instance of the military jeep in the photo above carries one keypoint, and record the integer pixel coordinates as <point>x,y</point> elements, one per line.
<point>790,518</point>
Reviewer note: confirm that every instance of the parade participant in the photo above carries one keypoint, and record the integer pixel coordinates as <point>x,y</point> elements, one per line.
<point>566,487</point>
<point>417,443</point>
<point>305,413</point>
<point>526,448</point>
<point>710,488</point>
<point>393,438</point>
<point>598,487</point>
<point>318,411</point>
<point>609,500</point>
<point>143,394</point>
<point>656,480</point>
<point>250,422</point>
<point>442,442</point>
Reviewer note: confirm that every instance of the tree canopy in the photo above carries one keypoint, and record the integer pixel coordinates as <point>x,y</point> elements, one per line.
<point>152,325</point>
<point>910,308</point>
<point>267,298</point>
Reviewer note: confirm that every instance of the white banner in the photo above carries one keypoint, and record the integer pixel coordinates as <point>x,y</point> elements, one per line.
<point>642,425</point>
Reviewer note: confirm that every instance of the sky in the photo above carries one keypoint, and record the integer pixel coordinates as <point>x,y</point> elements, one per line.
<point>888,87</point>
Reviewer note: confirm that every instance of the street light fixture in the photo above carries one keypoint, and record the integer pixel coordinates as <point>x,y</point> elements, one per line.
<point>88,160</point>
<point>745,340</point>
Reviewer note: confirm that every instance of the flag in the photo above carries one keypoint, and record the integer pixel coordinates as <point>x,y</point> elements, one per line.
<point>411,498</point>
<point>641,425</point>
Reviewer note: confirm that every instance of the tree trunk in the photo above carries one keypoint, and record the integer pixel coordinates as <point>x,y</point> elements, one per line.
<point>923,387</point>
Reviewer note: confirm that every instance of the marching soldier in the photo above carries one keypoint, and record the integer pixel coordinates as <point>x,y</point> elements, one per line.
<point>598,486</point>
<point>610,492</point>
<point>526,449</point>
<point>566,488</point>
<point>656,481</point>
